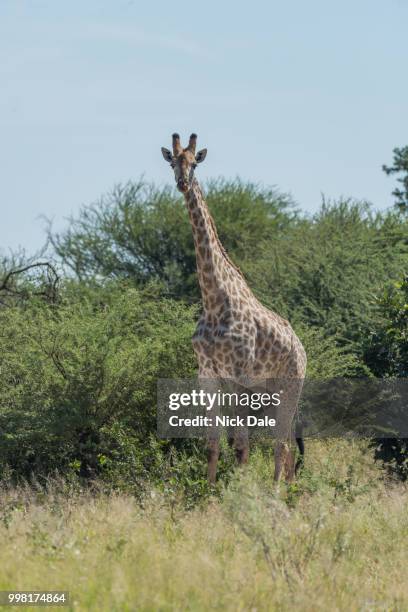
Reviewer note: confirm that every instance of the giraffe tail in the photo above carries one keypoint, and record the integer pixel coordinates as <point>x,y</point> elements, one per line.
<point>301,445</point>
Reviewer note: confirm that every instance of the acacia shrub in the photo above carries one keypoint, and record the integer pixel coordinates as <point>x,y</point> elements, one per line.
<point>141,233</point>
<point>69,373</point>
<point>325,272</point>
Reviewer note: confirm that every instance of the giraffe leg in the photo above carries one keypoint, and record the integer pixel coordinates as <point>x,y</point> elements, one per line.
<point>240,434</point>
<point>209,382</point>
<point>290,466</point>
<point>282,431</point>
<point>241,447</point>
<point>213,452</point>
<point>281,453</point>
<point>284,454</point>
<point>242,455</point>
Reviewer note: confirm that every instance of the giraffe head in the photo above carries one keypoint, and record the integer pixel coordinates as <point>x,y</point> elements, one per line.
<point>184,161</point>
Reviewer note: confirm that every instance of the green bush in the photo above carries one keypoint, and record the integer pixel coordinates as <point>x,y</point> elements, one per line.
<point>141,233</point>
<point>323,271</point>
<point>386,352</point>
<point>71,372</point>
<point>326,271</point>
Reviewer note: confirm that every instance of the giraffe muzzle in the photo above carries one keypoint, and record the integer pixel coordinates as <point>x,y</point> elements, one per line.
<point>182,185</point>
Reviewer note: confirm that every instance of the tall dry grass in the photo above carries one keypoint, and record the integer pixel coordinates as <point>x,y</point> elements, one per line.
<point>337,540</point>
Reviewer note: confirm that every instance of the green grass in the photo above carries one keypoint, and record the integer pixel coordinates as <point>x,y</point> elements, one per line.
<point>336,540</point>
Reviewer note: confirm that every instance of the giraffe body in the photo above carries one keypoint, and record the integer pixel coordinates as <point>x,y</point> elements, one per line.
<point>237,338</point>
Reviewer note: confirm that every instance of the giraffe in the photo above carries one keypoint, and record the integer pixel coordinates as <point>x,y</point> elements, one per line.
<point>237,338</point>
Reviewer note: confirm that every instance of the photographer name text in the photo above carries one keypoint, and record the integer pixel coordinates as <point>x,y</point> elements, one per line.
<point>222,421</point>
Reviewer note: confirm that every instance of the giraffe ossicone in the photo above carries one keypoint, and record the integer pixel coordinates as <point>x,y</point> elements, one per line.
<point>237,338</point>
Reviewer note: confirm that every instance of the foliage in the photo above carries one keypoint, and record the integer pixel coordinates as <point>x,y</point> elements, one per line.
<point>327,358</point>
<point>387,350</point>
<point>70,373</point>
<point>387,356</point>
<point>393,453</point>
<point>339,541</point>
<point>22,278</point>
<point>325,272</point>
<point>141,233</point>
<point>400,166</point>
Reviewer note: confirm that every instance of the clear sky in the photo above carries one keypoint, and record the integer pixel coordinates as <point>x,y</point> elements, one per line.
<point>310,96</point>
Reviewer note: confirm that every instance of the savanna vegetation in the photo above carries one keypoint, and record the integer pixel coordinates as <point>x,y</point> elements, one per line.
<point>334,541</point>
<point>124,520</point>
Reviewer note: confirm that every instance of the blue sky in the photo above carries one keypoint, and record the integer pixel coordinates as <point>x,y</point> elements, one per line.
<point>309,96</point>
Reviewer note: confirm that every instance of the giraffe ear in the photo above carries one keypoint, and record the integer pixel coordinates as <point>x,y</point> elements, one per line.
<point>167,155</point>
<point>201,155</point>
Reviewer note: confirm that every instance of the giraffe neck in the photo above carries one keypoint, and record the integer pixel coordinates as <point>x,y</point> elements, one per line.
<point>217,274</point>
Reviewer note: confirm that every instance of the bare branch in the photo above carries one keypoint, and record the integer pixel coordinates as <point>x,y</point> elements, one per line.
<point>49,290</point>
